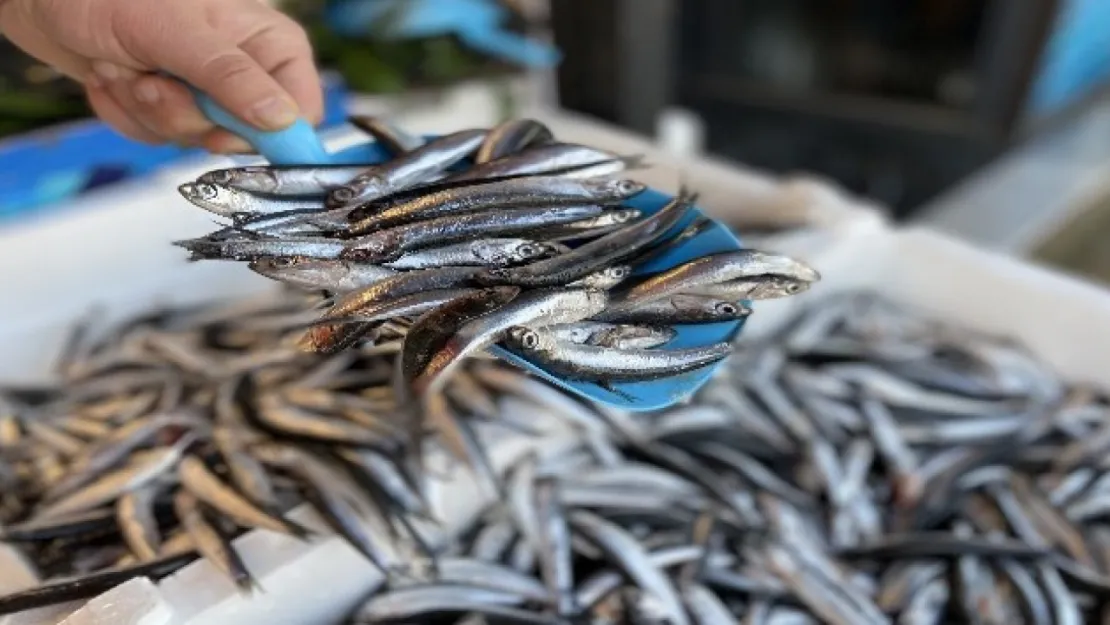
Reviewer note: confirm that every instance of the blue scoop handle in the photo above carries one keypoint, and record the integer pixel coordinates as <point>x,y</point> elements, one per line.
<point>296,145</point>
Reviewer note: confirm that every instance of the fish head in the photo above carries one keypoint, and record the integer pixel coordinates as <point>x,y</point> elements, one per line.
<point>616,188</point>
<point>709,308</point>
<point>256,179</point>
<point>535,250</point>
<point>773,287</point>
<point>522,339</point>
<point>609,277</point>
<point>362,187</point>
<point>624,215</point>
<point>776,265</point>
<point>211,197</point>
<point>218,176</point>
<point>340,196</point>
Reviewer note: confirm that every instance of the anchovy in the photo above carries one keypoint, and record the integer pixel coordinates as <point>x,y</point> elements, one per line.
<point>325,494</point>
<point>676,310</point>
<point>211,542</point>
<point>135,516</point>
<point>625,552</point>
<point>391,244</point>
<point>395,140</point>
<point>592,256</point>
<point>252,247</point>
<point>430,333</point>
<point>331,275</point>
<point>539,308</point>
<point>609,220</point>
<point>587,362</point>
<point>530,192</point>
<point>207,487</point>
<point>410,168</point>
<point>302,181</point>
<point>723,268</point>
<point>619,336</point>
<point>365,301</point>
<point>230,202</point>
<point>481,253</point>
<point>139,472</point>
<point>557,158</point>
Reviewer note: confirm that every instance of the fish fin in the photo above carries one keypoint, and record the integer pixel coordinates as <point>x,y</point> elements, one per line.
<point>608,386</point>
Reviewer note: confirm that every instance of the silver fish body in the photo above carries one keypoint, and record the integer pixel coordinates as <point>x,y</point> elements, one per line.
<point>302,181</point>
<point>588,362</point>
<point>408,169</point>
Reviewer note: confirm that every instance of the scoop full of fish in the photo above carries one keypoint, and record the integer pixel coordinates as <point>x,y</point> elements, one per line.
<point>864,465</point>
<point>500,239</point>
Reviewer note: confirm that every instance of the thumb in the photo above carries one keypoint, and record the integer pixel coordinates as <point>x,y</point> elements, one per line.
<point>234,79</point>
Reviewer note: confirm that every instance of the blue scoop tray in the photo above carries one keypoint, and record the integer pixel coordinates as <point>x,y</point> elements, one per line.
<point>299,144</point>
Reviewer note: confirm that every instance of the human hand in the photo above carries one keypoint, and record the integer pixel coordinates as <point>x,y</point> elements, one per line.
<point>250,58</point>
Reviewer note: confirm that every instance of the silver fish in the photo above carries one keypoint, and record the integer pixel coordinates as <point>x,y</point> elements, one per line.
<point>310,273</point>
<point>597,254</point>
<point>588,362</point>
<point>537,308</point>
<point>562,158</point>
<point>229,202</point>
<point>408,169</point>
<point>391,244</point>
<point>511,136</point>
<point>530,192</point>
<point>394,139</point>
<point>722,268</point>
<point>306,181</point>
<point>619,336</point>
<point>481,253</point>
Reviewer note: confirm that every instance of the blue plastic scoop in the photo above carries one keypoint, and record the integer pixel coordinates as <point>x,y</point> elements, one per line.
<point>299,145</point>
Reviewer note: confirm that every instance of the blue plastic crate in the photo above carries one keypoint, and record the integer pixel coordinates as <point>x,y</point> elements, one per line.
<point>49,165</point>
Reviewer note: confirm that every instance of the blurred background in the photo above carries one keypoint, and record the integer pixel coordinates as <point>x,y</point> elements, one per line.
<point>985,118</point>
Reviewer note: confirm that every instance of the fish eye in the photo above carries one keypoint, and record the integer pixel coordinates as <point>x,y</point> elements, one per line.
<point>284,261</point>
<point>342,194</point>
<point>727,308</point>
<point>793,288</point>
<point>628,186</point>
<point>528,250</point>
<point>207,191</point>
<point>628,215</point>
<point>618,272</point>
<point>220,176</point>
<point>529,339</point>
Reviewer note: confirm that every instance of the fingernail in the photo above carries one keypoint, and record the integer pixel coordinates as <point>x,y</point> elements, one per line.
<point>275,113</point>
<point>147,93</point>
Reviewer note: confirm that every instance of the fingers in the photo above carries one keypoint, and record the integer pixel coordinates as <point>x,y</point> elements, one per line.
<point>233,79</point>
<point>107,109</point>
<point>285,52</point>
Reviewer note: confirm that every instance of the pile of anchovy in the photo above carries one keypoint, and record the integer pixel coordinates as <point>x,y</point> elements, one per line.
<point>864,466</point>
<point>167,436</point>
<point>482,237</point>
